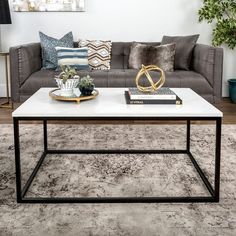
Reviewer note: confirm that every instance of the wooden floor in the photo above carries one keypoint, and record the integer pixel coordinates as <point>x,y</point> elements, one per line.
<point>226,106</point>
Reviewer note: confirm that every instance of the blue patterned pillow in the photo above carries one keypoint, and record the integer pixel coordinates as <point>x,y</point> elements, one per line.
<point>49,53</point>
<point>73,57</point>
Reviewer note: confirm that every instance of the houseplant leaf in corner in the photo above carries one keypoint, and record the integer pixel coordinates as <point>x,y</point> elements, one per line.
<point>223,14</point>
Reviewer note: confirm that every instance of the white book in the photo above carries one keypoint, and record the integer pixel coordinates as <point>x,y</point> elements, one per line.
<point>160,94</point>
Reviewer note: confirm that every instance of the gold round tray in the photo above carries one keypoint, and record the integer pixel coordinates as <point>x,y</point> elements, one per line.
<point>55,94</point>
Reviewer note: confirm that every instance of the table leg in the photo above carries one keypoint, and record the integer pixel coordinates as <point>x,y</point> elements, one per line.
<point>217,159</point>
<point>17,160</point>
<point>45,135</point>
<point>188,136</point>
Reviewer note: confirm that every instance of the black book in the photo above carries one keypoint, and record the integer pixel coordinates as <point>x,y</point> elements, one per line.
<point>177,101</point>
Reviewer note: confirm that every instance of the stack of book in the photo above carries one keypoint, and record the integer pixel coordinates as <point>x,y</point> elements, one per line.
<point>160,96</point>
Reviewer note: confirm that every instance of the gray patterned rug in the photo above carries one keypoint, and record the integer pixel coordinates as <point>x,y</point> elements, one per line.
<point>117,175</point>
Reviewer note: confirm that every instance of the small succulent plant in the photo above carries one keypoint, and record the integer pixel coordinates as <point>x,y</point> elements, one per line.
<point>86,86</point>
<point>67,73</point>
<point>86,82</point>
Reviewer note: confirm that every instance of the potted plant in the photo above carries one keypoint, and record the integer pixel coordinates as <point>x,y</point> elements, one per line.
<point>86,86</point>
<point>232,89</point>
<point>67,80</point>
<point>223,13</point>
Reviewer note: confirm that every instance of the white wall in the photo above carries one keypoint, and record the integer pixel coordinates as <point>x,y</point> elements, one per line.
<point>118,20</point>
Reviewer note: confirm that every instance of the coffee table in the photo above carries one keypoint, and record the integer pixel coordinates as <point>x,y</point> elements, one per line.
<point>111,105</point>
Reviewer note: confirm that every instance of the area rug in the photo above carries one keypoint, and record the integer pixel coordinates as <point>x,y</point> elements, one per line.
<point>118,175</point>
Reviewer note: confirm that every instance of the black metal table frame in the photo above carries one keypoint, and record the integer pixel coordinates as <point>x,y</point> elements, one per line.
<point>213,192</point>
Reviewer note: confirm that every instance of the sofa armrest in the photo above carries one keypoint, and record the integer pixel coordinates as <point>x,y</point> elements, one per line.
<point>208,61</point>
<point>24,60</point>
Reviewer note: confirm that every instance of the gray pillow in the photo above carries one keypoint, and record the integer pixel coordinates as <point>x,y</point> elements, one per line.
<point>161,56</point>
<point>184,49</point>
<point>49,53</point>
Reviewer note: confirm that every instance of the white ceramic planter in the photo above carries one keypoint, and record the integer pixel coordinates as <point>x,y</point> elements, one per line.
<point>67,88</point>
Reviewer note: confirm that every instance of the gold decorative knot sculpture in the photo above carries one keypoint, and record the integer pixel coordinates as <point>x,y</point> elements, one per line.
<point>145,71</point>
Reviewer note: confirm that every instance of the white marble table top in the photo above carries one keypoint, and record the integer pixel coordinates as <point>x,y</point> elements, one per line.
<point>111,103</point>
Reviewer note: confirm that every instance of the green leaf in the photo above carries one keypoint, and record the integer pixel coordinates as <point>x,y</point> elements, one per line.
<point>222,13</point>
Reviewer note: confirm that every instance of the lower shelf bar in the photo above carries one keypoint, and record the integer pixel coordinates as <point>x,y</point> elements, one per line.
<point>118,200</point>
<point>116,151</point>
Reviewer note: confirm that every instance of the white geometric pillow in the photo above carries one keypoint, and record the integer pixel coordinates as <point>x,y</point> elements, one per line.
<point>99,53</point>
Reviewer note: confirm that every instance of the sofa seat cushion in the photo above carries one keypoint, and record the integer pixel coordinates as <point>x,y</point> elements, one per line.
<point>121,78</point>
<point>195,81</point>
<point>45,78</point>
<point>186,79</point>
<point>100,77</point>
<point>117,78</point>
<point>39,79</point>
<point>130,74</point>
<point>126,78</point>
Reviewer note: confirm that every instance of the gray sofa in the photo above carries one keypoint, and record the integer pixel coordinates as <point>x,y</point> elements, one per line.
<point>205,76</point>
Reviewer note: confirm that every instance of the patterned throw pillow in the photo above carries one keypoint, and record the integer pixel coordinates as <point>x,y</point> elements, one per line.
<point>99,53</point>
<point>48,45</point>
<point>74,57</point>
<point>162,56</point>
